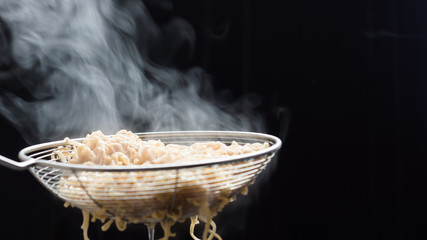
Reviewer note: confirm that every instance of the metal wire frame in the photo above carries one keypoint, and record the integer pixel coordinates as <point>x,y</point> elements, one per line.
<point>138,192</point>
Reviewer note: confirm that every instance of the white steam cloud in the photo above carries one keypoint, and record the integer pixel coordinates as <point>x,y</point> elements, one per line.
<point>88,67</point>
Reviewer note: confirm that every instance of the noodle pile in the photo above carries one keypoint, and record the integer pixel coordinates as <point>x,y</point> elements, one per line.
<point>134,197</point>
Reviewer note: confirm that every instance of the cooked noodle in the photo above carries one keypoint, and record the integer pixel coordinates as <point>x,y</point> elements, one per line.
<point>108,195</point>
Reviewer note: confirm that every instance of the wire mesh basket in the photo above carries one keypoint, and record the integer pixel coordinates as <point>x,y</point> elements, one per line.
<point>137,193</point>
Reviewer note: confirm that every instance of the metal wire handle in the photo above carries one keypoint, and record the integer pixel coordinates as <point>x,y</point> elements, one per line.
<point>9,163</point>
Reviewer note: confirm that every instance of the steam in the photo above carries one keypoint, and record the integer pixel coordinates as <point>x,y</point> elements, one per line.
<point>87,65</point>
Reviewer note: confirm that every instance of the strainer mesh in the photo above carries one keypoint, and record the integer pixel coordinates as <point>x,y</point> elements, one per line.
<point>136,195</point>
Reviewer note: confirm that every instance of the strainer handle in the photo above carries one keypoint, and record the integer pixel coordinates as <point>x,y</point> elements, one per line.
<point>15,165</point>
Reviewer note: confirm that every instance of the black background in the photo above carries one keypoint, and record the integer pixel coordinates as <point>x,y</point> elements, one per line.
<point>342,82</point>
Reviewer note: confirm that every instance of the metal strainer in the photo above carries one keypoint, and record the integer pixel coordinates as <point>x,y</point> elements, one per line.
<point>135,193</point>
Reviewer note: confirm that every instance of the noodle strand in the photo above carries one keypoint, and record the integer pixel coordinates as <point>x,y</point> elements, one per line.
<point>85,224</point>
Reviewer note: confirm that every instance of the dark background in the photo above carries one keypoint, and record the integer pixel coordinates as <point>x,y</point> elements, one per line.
<point>342,82</point>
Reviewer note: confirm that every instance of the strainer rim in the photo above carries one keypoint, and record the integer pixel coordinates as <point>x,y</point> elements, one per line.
<point>275,144</point>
